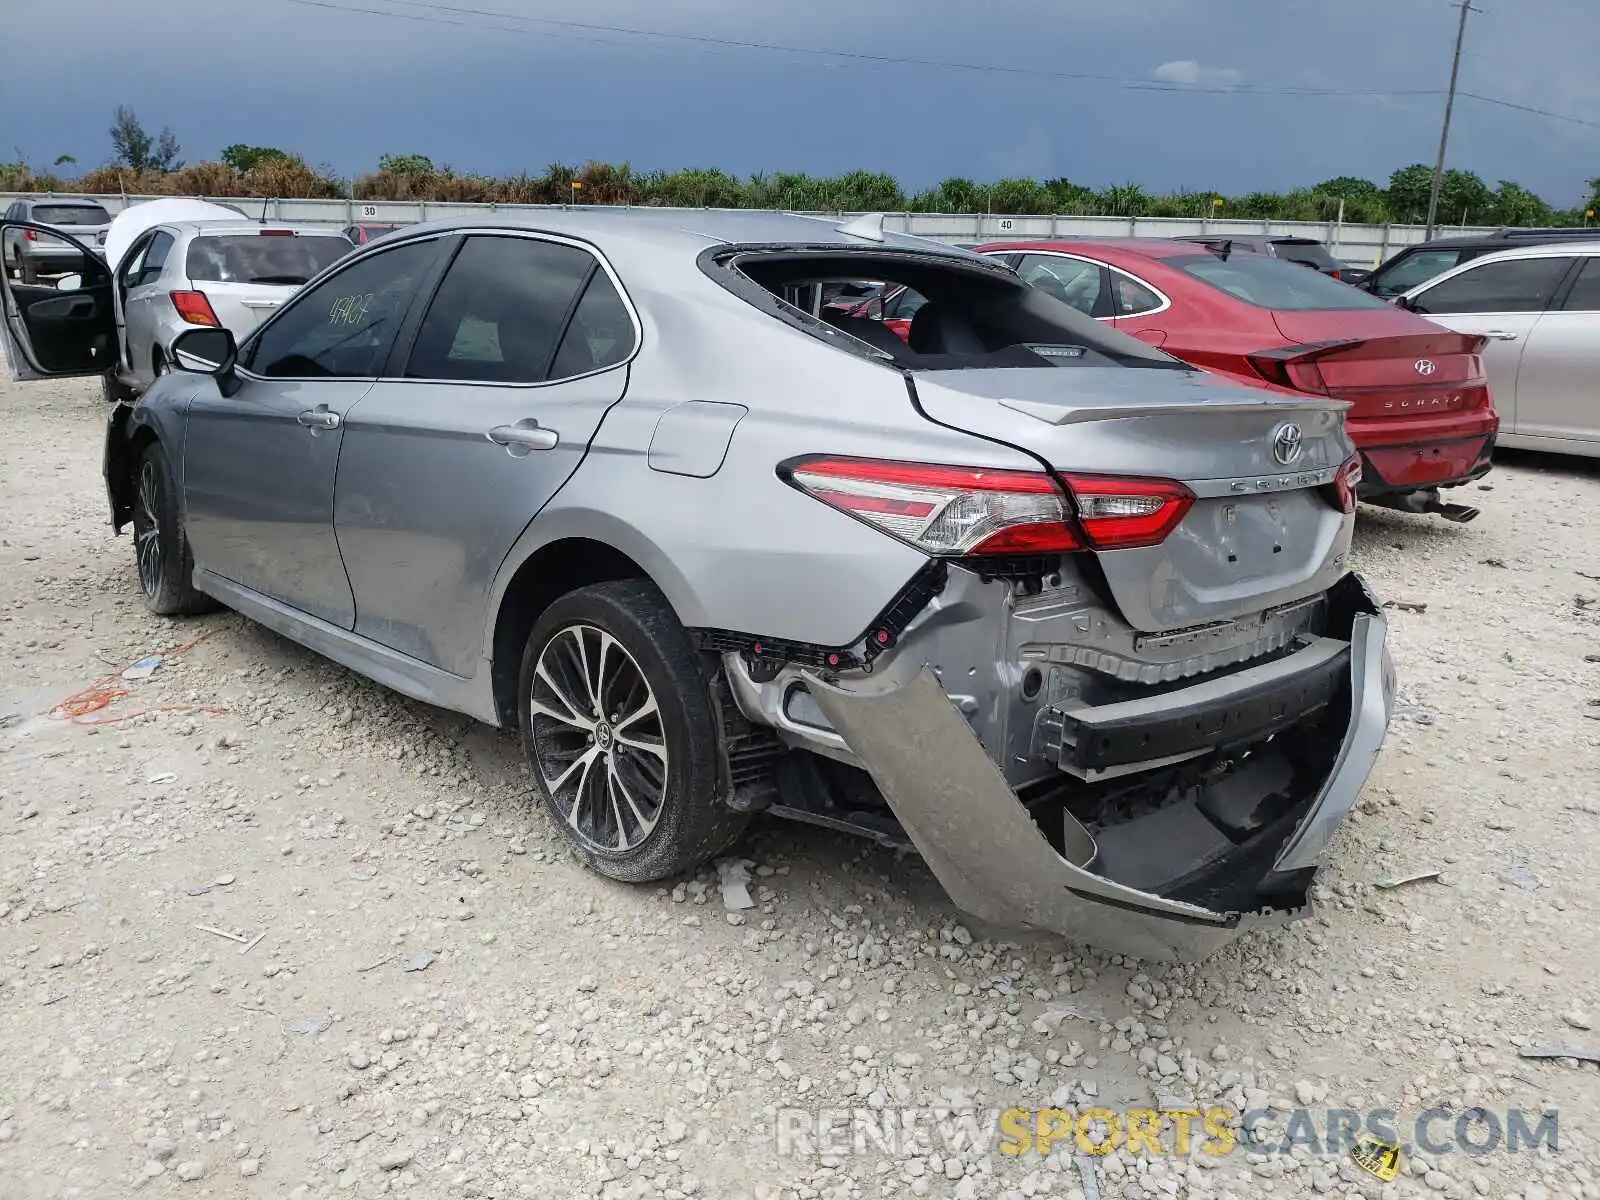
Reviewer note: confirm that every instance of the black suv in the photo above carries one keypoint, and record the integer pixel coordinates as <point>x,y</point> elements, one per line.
<point>1303,250</point>
<point>1417,264</point>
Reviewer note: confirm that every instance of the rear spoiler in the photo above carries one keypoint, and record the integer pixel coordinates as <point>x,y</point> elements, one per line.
<point>1063,414</point>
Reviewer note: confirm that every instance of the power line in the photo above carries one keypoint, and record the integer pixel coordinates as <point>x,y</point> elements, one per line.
<point>1134,84</point>
<point>575,31</point>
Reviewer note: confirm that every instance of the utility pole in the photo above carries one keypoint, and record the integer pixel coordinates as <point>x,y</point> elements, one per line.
<point>1449,104</point>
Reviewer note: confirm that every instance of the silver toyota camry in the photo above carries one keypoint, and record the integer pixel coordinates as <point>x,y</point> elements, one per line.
<point>1070,618</point>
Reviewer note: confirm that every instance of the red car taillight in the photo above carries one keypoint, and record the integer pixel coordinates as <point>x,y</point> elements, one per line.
<point>31,234</point>
<point>957,511</point>
<point>194,308</point>
<point>1345,483</point>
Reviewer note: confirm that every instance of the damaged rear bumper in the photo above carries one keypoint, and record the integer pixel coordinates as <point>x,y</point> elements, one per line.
<point>995,862</point>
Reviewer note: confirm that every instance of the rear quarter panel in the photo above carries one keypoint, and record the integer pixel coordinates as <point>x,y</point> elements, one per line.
<point>741,550</point>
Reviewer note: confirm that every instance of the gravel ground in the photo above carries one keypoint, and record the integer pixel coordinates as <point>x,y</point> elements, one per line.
<point>408,985</point>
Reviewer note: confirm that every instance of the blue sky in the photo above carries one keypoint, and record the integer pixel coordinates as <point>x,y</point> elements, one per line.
<point>343,87</point>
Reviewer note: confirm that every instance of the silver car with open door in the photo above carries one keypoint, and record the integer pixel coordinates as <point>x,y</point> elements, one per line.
<point>1072,619</point>
<point>1539,306</point>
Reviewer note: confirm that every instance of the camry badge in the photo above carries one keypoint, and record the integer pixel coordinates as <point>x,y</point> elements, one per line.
<point>1286,443</point>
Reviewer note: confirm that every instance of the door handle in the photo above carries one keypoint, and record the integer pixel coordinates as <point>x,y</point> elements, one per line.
<point>1500,335</point>
<point>319,418</point>
<point>525,435</point>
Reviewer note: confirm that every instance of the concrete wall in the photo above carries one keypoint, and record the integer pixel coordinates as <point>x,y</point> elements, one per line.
<point>1361,244</point>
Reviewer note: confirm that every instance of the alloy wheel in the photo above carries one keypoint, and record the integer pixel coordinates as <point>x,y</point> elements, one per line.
<point>147,529</point>
<point>598,738</point>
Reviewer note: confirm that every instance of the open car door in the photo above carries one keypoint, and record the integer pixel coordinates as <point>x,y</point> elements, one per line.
<point>63,328</point>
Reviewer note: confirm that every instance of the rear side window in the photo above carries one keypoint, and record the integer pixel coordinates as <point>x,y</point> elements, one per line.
<point>1585,294</point>
<point>71,214</point>
<point>1517,286</point>
<point>262,258</point>
<point>1131,298</point>
<point>600,334</point>
<point>1273,283</point>
<point>501,310</point>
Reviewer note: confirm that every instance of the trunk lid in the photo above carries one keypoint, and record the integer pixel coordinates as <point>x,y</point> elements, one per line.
<point>1395,364</point>
<point>1261,533</point>
<point>242,306</point>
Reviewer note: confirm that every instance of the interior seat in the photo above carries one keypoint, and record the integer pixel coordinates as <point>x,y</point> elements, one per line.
<point>938,330</point>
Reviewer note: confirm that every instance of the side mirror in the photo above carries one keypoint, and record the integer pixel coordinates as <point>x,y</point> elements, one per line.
<point>69,283</point>
<point>209,351</point>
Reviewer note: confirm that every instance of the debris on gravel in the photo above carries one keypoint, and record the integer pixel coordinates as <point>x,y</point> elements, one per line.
<point>267,929</point>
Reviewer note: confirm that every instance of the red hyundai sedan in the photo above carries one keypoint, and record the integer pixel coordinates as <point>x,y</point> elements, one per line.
<point>1421,413</point>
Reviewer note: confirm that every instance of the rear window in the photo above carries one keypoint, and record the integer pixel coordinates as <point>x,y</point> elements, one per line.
<point>1407,271</point>
<point>963,314</point>
<point>1273,283</point>
<point>70,214</point>
<point>262,258</point>
<point>1304,250</point>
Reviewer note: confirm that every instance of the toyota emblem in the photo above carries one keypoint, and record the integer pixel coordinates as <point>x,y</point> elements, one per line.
<point>1286,443</point>
<point>1425,366</point>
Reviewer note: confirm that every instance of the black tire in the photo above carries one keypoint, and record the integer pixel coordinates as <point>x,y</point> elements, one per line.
<point>690,825</point>
<point>161,548</point>
<point>30,273</point>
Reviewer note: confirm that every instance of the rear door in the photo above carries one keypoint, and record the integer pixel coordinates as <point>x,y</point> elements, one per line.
<point>486,409</point>
<point>51,333</point>
<point>1556,393</point>
<point>1502,300</point>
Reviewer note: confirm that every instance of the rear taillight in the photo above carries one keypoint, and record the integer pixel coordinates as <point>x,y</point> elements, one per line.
<point>31,234</point>
<point>194,308</point>
<point>1346,482</point>
<point>1118,514</point>
<point>958,511</point>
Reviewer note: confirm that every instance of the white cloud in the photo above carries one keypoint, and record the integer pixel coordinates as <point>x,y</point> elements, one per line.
<point>1188,71</point>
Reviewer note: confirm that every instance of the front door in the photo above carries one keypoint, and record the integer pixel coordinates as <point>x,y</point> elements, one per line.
<point>54,333</point>
<point>486,413</point>
<point>1556,393</point>
<point>258,461</point>
<point>1503,300</point>
<point>143,300</point>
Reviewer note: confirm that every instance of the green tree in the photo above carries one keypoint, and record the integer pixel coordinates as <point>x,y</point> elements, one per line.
<point>406,164</point>
<point>1408,193</point>
<point>1516,205</point>
<point>243,158</point>
<point>65,160</point>
<point>133,147</point>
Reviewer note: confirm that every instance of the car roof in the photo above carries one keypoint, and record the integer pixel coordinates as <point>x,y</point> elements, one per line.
<point>1143,247</point>
<point>1544,250</point>
<point>1509,238</point>
<point>667,228</point>
<point>66,201</point>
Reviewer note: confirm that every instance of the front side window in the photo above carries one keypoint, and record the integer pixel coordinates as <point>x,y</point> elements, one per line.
<point>343,327</point>
<point>1070,280</point>
<point>1520,285</point>
<point>1273,283</point>
<point>501,310</point>
<point>1413,269</point>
